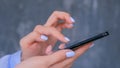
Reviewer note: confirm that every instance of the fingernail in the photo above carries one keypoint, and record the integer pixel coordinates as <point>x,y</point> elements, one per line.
<point>66,38</point>
<point>62,46</point>
<point>49,49</point>
<point>43,37</point>
<point>92,45</point>
<point>72,20</point>
<point>70,54</point>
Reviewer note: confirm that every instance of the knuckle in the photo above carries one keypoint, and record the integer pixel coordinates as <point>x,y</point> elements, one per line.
<point>21,42</point>
<point>65,13</point>
<point>56,12</point>
<point>37,27</point>
<point>52,28</point>
<point>61,12</point>
<point>24,41</point>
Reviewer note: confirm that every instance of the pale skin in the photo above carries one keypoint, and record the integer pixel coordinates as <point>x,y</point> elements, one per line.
<point>37,53</point>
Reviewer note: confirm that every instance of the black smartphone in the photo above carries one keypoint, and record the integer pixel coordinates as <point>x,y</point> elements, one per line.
<point>76,45</point>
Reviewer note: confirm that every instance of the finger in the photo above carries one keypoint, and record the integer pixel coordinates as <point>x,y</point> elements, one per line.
<point>62,65</point>
<point>63,25</point>
<point>79,52</point>
<point>69,65</point>
<point>51,31</point>
<point>68,25</point>
<point>60,56</point>
<point>62,46</point>
<point>58,15</point>
<point>82,50</point>
<point>33,37</point>
<point>42,38</point>
<point>29,39</point>
<point>49,50</point>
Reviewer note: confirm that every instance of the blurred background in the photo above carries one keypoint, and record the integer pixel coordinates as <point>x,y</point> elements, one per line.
<point>19,17</point>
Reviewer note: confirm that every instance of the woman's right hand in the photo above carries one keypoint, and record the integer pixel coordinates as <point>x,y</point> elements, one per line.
<point>36,43</point>
<point>44,61</point>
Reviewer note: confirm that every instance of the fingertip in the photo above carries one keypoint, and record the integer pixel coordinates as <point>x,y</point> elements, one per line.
<point>92,45</point>
<point>69,25</point>
<point>62,46</point>
<point>67,39</point>
<point>64,39</point>
<point>72,19</point>
<point>49,50</point>
<point>70,54</point>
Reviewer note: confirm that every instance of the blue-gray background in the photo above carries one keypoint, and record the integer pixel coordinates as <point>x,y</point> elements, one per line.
<point>19,17</point>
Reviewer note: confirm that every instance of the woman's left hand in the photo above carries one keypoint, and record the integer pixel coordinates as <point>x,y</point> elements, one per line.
<point>58,59</point>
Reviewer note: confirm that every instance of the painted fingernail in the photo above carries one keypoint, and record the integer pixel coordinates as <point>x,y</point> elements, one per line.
<point>62,46</point>
<point>43,37</point>
<point>66,38</point>
<point>72,20</point>
<point>70,54</point>
<point>92,45</point>
<point>49,49</point>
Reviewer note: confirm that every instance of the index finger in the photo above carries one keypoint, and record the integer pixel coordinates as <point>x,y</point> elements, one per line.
<point>58,15</point>
<point>51,31</point>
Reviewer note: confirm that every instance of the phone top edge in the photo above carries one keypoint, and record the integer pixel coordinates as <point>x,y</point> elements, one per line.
<point>96,37</point>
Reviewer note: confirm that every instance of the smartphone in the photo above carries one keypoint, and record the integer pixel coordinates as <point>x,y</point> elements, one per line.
<point>76,45</point>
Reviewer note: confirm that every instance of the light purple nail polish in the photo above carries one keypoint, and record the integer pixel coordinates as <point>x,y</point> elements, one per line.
<point>72,20</point>
<point>66,38</point>
<point>43,37</point>
<point>92,45</point>
<point>70,54</point>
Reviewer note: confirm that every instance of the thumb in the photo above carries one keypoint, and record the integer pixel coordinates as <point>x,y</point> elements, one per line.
<point>60,56</point>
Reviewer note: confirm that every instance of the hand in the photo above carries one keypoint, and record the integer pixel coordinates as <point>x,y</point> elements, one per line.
<point>33,45</point>
<point>59,59</point>
<point>67,63</point>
